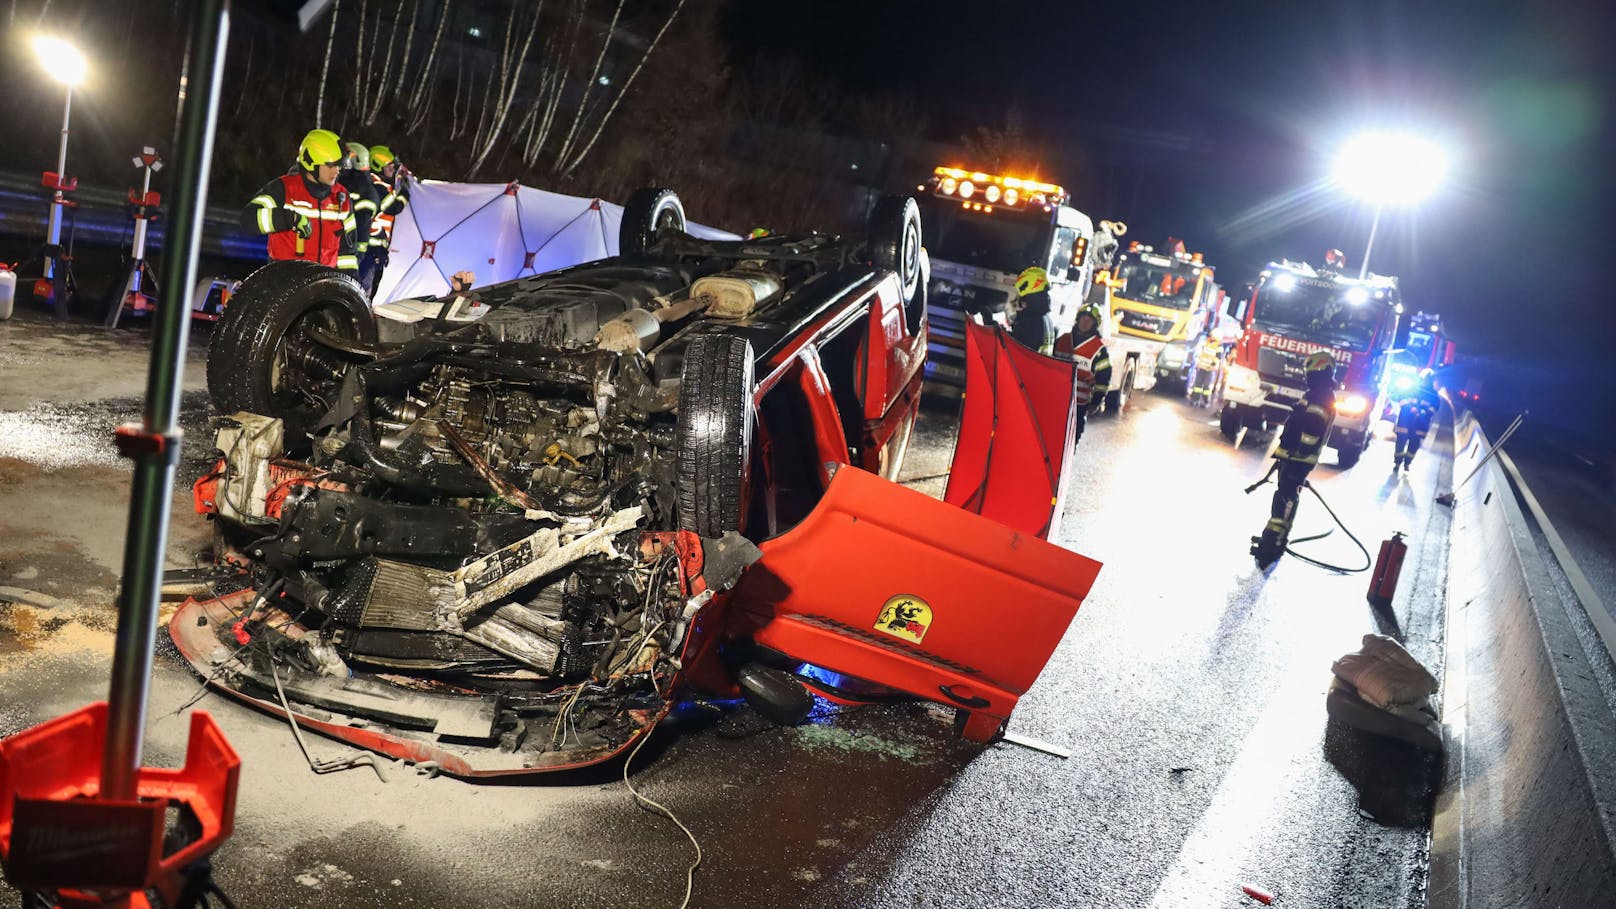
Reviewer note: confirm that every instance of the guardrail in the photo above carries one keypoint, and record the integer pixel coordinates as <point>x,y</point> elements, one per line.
<point>1527,816</point>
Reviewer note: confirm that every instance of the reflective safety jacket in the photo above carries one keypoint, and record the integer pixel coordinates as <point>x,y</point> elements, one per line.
<point>1414,416</point>
<point>1093,365</point>
<point>390,202</point>
<point>1308,427</point>
<point>274,212</point>
<point>363,198</point>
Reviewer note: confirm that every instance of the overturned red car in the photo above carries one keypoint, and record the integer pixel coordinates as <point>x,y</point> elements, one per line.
<point>508,535</point>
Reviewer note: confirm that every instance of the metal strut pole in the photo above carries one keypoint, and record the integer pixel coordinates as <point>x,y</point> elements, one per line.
<point>53,229</point>
<point>154,444</point>
<point>1374,225</point>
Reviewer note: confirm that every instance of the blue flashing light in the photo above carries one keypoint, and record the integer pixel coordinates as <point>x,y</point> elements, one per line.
<point>820,674</point>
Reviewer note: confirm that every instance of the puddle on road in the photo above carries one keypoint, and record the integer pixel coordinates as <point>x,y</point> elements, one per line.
<point>53,437</point>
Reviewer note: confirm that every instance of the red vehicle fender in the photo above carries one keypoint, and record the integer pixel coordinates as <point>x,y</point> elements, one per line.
<point>891,586</point>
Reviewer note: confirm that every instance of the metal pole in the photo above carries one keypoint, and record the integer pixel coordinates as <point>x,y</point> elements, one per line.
<point>53,233</point>
<point>1363,270</point>
<point>155,443</point>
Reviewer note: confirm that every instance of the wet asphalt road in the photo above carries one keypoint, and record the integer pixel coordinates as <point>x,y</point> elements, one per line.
<point>1190,688</point>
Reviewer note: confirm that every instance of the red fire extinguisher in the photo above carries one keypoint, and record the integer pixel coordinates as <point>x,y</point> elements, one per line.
<point>1388,565</point>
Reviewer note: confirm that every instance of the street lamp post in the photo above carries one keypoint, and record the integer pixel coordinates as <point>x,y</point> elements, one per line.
<point>1388,169</point>
<point>66,65</point>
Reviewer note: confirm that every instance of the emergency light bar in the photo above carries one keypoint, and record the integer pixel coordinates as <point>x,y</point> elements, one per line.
<point>975,188</point>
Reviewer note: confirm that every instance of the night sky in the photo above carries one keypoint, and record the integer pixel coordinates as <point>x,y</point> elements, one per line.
<point>1219,122</point>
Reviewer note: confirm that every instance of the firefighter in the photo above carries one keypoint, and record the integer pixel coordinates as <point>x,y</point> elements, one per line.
<point>306,214</point>
<point>1084,346</point>
<point>391,179</point>
<point>1414,421</point>
<point>355,178</point>
<point>1299,445</point>
<point>1032,325</point>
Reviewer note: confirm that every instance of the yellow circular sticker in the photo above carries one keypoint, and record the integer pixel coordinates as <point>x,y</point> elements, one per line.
<point>905,616</point>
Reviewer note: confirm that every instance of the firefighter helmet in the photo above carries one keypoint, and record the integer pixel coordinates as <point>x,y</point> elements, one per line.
<point>320,146</point>
<point>1335,258</point>
<point>360,155</point>
<point>381,156</point>
<point>1032,281</point>
<point>1320,361</point>
<point>1092,313</point>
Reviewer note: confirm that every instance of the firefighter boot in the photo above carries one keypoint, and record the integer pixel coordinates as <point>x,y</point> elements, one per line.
<point>1268,547</point>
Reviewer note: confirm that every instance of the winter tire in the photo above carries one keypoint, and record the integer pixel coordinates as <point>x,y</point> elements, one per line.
<point>716,427</point>
<point>895,242</point>
<point>261,361</point>
<point>649,210</point>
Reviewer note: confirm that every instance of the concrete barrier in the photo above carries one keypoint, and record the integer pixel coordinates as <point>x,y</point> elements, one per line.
<point>1525,818</point>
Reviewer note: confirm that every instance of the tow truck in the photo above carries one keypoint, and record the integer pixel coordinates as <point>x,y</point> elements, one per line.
<point>1160,302</point>
<point>1294,310</point>
<point>981,231</point>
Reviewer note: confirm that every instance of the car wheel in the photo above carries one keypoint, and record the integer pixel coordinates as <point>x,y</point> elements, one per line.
<point>895,241</point>
<point>1229,422</point>
<point>715,434</point>
<point>1116,401</point>
<point>648,210</point>
<point>1347,456</point>
<point>262,360</point>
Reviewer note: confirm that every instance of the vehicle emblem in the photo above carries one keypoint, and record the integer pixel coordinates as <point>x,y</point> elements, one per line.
<point>905,616</point>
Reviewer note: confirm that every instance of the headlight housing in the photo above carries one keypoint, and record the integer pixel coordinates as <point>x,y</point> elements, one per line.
<point>1243,378</point>
<point>1351,405</point>
<point>1174,355</point>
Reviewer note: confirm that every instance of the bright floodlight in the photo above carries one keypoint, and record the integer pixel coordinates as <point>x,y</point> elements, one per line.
<point>62,60</point>
<point>1390,168</point>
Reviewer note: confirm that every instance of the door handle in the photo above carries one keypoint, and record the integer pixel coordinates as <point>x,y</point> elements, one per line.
<point>969,700</point>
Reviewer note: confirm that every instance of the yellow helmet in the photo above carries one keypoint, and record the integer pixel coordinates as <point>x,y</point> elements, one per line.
<point>360,155</point>
<point>1320,361</point>
<point>381,156</point>
<point>1033,280</point>
<point>320,146</point>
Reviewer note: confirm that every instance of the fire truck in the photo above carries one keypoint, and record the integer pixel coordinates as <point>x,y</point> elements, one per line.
<point>981,231</point>
<point>1427,348</point>
<point>1294,310</point>
<point>1160,304</point>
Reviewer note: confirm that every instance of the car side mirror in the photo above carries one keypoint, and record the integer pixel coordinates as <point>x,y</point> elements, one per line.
<point>1400,337</point>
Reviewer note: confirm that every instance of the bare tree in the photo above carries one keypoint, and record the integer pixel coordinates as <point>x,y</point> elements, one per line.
<point>600,124</point>
<point>510,78</point>
<point>330,39</point>
<point>589,84</point>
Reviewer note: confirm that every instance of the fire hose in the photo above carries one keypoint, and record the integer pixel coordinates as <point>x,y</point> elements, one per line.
<point>1318,536</point>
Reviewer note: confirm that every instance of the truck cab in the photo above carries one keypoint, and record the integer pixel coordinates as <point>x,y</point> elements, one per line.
<point>1426,347</point>
<point>981,231</point>
<point>1161,301</point>
<point>1294,310</point>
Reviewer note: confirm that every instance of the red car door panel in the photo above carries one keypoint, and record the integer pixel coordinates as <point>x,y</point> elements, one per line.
<point>894,587</point>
